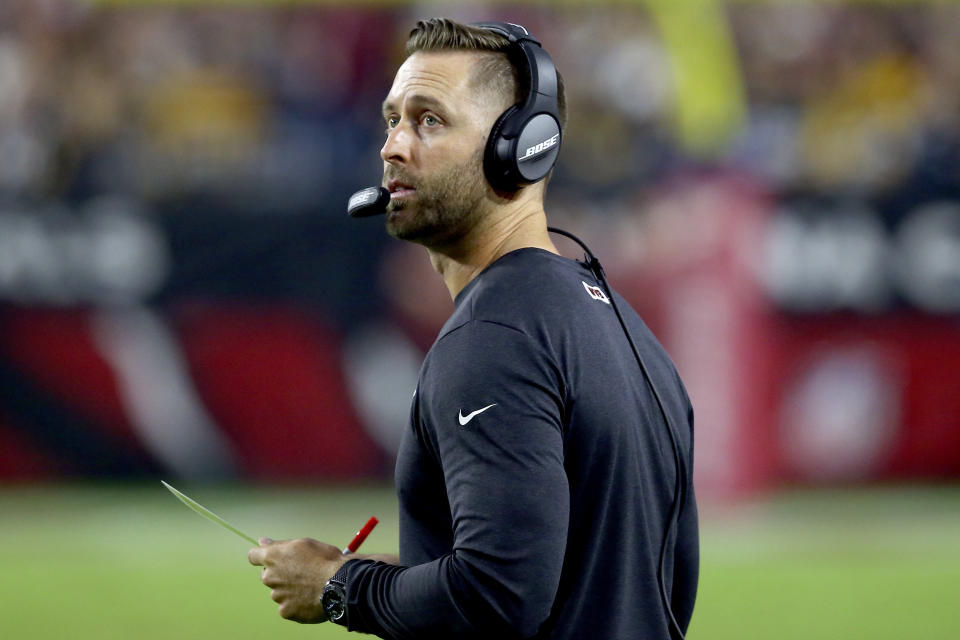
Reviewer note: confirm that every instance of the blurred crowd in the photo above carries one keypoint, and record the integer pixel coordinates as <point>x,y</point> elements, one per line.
<point>165,101</point>
<point>857,99</point>
<point>272,108</point>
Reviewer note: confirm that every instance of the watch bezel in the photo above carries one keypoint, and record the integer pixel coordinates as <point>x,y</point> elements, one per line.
<point>334,601</point>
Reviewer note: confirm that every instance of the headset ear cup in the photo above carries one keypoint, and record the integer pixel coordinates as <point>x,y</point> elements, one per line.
<point>499,167</point>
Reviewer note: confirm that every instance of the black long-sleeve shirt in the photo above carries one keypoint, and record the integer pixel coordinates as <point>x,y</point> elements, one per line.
<point>536,477</point>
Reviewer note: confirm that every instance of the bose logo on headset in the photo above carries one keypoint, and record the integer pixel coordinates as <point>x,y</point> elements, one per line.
<point>537,149</point>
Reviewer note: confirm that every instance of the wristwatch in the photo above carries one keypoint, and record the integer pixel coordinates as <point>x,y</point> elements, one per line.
<point>334,598</point>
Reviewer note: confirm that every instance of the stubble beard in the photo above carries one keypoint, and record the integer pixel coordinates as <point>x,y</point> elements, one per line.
<point>446,206</point>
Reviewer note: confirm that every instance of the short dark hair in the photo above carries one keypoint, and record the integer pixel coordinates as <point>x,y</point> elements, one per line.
<point>494,69</point>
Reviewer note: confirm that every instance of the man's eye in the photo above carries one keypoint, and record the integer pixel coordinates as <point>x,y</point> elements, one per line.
<point>392,121</point>
<point>430,120</point>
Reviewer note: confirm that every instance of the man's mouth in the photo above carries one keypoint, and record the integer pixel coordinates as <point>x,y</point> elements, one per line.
<point>399,189</point>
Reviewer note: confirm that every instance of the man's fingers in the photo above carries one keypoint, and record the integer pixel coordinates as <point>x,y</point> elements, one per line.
<point>258,555</point>
<point>267,578</point>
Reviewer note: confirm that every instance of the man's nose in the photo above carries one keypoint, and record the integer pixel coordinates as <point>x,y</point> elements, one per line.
<point>397,146</point>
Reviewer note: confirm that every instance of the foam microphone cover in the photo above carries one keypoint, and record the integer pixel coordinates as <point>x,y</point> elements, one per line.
<point>371,201</point>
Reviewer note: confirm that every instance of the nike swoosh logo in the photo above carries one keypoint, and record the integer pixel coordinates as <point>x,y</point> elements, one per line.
<point>464,419</point>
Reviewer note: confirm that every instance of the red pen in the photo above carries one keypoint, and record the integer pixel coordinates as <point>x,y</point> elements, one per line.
<point>361,536</point>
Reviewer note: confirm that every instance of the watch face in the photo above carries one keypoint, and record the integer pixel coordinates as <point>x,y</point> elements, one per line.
<point>334,601</point>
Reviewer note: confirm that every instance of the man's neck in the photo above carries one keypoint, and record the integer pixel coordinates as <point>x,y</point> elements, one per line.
<point>505,230</point>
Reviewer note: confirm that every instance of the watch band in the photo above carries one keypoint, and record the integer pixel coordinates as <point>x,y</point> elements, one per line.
<point>341,574</point>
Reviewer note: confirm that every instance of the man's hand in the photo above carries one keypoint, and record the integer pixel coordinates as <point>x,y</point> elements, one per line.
<point>296,572</point>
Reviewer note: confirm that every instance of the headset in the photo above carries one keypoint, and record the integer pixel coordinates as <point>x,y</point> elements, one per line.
<point>521,149</point>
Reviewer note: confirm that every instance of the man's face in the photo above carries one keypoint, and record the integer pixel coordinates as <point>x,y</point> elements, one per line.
<point>437,126</point>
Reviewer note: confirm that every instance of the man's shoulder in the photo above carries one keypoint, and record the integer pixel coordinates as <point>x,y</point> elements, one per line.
<point>531,291</point>
<point>521,285</point>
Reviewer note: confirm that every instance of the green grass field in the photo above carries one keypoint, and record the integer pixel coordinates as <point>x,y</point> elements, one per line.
<point>104,562</point>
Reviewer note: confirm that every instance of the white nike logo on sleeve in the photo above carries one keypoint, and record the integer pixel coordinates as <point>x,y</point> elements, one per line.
<point>464,419</point>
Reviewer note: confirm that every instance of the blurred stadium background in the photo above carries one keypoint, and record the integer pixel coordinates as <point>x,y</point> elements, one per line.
<point>774,185</point>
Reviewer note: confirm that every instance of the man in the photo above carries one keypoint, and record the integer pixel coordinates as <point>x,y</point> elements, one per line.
<point>536,480</point>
